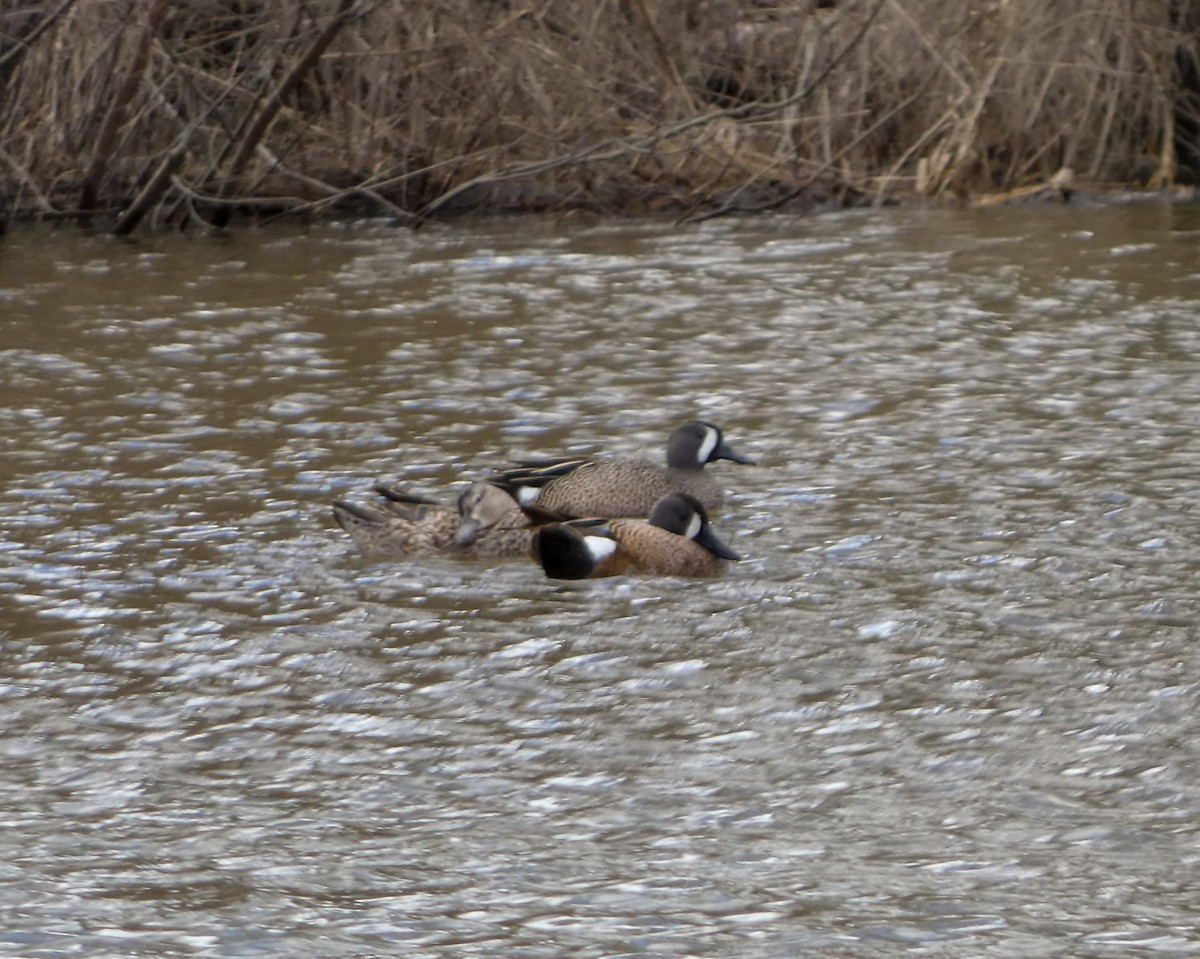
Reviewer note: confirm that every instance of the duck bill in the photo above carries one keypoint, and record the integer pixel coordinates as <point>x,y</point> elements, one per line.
<point>708,539</point>
<point>726,452</point>
<point>468,531</point>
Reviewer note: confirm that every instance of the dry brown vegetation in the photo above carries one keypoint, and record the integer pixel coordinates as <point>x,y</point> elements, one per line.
<point>190,111</point>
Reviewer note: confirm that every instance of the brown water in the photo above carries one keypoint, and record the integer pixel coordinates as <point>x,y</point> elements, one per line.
<point>946,706</point>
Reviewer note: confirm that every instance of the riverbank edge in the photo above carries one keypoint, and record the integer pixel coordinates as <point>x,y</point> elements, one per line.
<point>519,205</point>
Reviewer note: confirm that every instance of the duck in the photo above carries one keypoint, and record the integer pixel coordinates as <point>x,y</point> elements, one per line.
<point>623,486</point>
<point>676,540</point>
<point>484,523</point>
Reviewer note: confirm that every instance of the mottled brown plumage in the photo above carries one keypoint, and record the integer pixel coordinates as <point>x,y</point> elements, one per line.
<point>485,523</point>
<point>623,486</point>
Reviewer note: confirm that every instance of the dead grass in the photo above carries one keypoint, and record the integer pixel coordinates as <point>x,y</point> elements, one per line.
<point>185,112</point>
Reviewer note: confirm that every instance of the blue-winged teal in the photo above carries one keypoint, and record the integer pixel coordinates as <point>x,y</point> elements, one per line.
<point>676,541</point>
<point>485,523</point>
<point>623,486</point>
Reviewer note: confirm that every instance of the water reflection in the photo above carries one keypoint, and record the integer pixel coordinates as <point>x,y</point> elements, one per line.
<point>948,698</point>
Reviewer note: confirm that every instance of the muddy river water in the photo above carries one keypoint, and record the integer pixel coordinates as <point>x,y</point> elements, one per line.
<point>946,705</point>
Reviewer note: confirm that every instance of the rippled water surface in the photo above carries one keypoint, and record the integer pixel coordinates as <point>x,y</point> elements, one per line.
<point>947,705</point>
